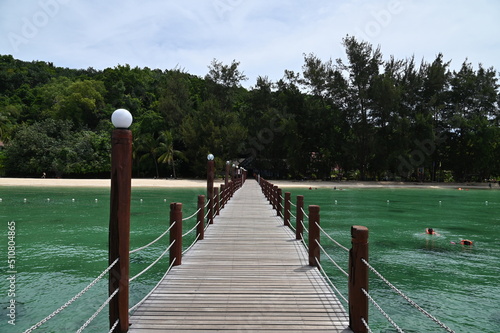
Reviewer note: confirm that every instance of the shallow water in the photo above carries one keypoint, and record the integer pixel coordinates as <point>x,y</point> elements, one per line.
<point>61,246</point>
<point>457,284</point>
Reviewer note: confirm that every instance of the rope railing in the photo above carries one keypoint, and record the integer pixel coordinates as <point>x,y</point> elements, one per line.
<point>331,259</point>
<point>154,288</point>
<point>192,229</point>
<point>153,263</point>
<point>358,296</point>
<point>305,214</point>
<point>192,244</point>
<point>291,225</point>
<point>191,216</point>
<point>112,329</point>
<point>333,240</point>
<point>121,184</point>
<point>408,299</point>
<point>331,283</point>
<point>157,239</point>
<point>73,299</point>
<point>381,311</point>
<point>304,242</point>
<point>366,325</point>
<point>304,227</point>
<point>106,302</point>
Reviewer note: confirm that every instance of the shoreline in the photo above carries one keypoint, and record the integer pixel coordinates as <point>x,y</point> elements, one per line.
<point>382,184</point>
<point>106,183</point>
<point>193,183</point>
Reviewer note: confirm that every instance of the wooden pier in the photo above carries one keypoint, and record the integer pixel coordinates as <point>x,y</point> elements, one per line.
<point>248,274</point>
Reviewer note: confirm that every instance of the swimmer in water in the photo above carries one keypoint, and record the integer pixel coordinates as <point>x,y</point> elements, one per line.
<point>430,231</point>
<point>464,242</point>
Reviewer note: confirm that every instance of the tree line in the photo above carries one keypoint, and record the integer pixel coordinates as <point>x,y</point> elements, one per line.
<point>360,117</point>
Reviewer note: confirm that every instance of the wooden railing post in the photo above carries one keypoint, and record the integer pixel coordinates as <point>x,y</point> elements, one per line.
<point>200,229</point>
<point>286,217</point>
<point>267,191</point>
<point>222,194</point>
<point>279,204</point>
<point>275,197</point>
<point>299,214</point>
<point>358,279</point>
<point>119,227</point>
<point>313,235</point>
<point>217,201</point>
<point>210,187</point>
<point>176,233</point>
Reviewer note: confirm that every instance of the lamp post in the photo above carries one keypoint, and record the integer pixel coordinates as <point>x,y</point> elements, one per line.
<point>119,221</point>
<point>226,180</point>
<point>210,187</point>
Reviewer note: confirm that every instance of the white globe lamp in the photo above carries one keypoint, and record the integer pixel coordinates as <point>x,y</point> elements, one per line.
<point>121,118</point>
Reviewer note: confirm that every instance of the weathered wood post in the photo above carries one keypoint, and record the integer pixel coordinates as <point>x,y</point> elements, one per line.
<point>313,235</point>
<point>200,229</point>
<point>217,201</point>
<point>176,233</point>
<point>299,214</point>
<point>358,279</point>
<point>119,220</point>
<point>222,194</point>
<point>210,187</point>
<point>275,198</point>
<point>279,204</point>
<point>286,217</point>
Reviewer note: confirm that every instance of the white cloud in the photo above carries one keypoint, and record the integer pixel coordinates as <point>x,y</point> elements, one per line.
<point>267,37</point>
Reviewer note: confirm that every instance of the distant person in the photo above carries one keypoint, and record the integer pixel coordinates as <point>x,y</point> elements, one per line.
<point>466,242</point>
<point>43,175</point>
<point>430,231</point>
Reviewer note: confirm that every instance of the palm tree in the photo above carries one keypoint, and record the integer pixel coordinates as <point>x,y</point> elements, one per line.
<point>149,146</point>
<point>166,148</point>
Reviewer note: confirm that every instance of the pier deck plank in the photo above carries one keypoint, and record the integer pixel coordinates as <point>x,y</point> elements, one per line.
<point>248,274</point>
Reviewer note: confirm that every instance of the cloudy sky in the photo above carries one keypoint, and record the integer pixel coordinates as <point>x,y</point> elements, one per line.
<point>265,36</point>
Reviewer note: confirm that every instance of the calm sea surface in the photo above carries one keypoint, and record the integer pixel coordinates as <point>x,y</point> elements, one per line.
<point>62,236</point>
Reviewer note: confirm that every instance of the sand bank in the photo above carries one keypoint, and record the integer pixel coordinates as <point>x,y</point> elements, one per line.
<point>55,182</point>
<point>373,184</point>
<point>191,183</point>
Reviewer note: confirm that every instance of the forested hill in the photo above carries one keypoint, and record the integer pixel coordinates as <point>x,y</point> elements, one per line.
<point>366,117</point>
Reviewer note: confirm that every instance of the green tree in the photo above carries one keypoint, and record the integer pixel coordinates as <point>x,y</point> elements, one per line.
<point>471,110</point>
<point>362,67</point>
<point>52,146</point>
<point>83,103</point>
<point>168,153</point>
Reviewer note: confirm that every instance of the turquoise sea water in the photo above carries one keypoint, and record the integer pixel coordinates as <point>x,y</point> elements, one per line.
<point>61,246</point>
<point>458,284</point>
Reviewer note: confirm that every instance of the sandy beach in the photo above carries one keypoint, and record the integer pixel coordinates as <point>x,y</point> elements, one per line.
<point>191,183</point>
<point>59,182</point>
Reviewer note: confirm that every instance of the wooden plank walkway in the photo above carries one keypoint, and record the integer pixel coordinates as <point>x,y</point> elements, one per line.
<point>248,274</point>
